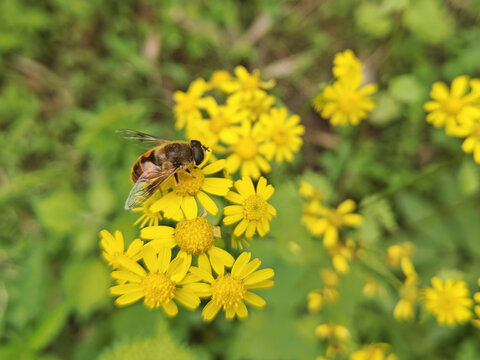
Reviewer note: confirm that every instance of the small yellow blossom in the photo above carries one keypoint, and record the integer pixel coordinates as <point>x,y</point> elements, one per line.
<point>246,82</point>
<point>251,209</point>
<point>376,351</point>
<point>448,300</point>
<point>332,330</point>
<point>346,65</point>
<point>396,253</point>
<point>330,278</point>
<point>453,108</point>
<point>228,291</point>
<point>188,104</point>
<point>159,284</point>
<point>256,103</point>
<point>346,102</point>
<point>331,221</point>
<point>315,300</point>
<point>248,147</point>
<point>219,78</point>
<point>114,248</point>
<point>372,289</point>
<point>191,187</point>
<point>284,134</point>
<point>194,237</point>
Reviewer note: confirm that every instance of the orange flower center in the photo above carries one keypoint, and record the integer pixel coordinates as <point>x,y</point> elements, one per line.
<point>348,102</point>
<point>280,135</point>
<point>255,208</point>
<point>189,184</point>
<point>228,291</point>
<point>452,106</point>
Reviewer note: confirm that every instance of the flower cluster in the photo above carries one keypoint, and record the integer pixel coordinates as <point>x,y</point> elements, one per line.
<point>457,109</point>
<point>346,101</point>
<point>180,257</point>
<point>237,118</point>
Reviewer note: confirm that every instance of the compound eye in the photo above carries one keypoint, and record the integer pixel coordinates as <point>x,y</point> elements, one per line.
<point>198,152</point>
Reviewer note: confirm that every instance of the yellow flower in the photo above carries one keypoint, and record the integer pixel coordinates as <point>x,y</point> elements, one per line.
<point>452,108</point>
<point>229,290</point>
<point>472,141</point>
<point>188,104</point>
<point>372,289</point>
<point>194,237</point>
<point>113,248</point>
<point>247,144</point>
<point>448,300</point>
<point>329,277</point>
<point>346,65</point>
<point>158,284</point>
<point>373,352</point>
<point>220,118</point>
<point>252,209</point>
<point>333,220</point>
<point>284,134</point>
<point>315,300</point>
<point>246,82</point>
<point>149,217</point>
<point>191,187</point>
<point>346,102</point>
<point>256,103</point>
<point>239,242</point>
<point>396,253</point>
<point>404,309</point>
<point>332,330</point>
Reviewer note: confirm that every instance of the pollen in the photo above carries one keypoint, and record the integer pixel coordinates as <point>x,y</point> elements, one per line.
<point>348,102</point>
<point>280,136</point>
<point>246,148</point>
<point>228,291</point>
<point>452,106</point>
<point>194,236</point>
<point>335,218</point>
<point>189,184</point>
<point>255,208</point>
<point>158,289</point>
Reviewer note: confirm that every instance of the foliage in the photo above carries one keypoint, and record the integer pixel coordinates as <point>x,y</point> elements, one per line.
<point>75,71</point>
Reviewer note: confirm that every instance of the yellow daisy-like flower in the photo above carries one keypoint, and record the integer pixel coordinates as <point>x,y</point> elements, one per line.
<point>114,248</point>
<point>346,102</point>
<point>284,134</point>
<point>229,290</point>
<point>332,330</point>
<point>256,103</point>
<point>251,209</point>
<point>246,82</point>
<point>159,284</point>
<point>148,217</point>
<point>194,237</point>
<point>471,143</point>
<point>346,65</point>
<point>189,103</point>
<point>333,220</point>
<point>448,300</point>
<point>220,118</point>
<point>249,150</point>
<point>453,108</point>
<point>376,351</point>
<point>191,187</point>
<point>308,191</point>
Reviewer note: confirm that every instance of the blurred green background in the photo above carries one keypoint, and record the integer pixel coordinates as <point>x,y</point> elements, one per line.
<point>72,72</point>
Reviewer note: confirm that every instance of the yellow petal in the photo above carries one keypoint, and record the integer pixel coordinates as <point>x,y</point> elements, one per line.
<point>254,299</point>
<point>210,310</point>
<point>187,298</point>
<point>170,308</point>
<point>258,276</point>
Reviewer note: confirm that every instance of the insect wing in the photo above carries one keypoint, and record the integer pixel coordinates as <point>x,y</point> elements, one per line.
<point>147,184</point>
<point>140,137</point>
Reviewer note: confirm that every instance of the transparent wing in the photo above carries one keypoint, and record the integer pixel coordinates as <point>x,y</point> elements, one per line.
<point>147,184</point>
<point>140,137</point>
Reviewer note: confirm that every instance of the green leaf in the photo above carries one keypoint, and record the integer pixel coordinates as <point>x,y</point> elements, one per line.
<point>428,19</point>
<point>386,110</point>
<point>87,284</point>
<point>100,196</point>
<point>372,19</point>
<point>59,212</point>
<point>49,327</point>
<point>406,88</point>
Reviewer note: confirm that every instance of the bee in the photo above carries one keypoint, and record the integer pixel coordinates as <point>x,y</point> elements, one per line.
<point>160,163</point>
